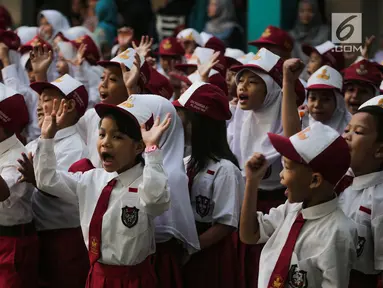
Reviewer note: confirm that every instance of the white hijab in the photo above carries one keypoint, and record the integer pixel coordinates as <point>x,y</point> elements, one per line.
<point>249,128</point>
<point>26,33</point>
<point>58,21</point>
<point>77,32</point>
<point>339,119</point>
<point>178,221</point>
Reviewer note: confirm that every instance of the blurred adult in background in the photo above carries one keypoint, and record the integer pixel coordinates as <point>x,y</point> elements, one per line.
<point>78,12</point>
<point>5,18</point>
<point>106,30</point>
<point>90,20</point>
<point>51,22</point>
<point>223,23</point>
<point>309,28</point>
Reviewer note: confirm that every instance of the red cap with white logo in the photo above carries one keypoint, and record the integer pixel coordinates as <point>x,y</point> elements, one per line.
<point>325,77</point>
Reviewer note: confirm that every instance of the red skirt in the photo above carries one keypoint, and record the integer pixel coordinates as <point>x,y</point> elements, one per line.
<point>249,255</point>
<point>18,261</point>
<point>64,260</point>
<point>214,267</point>
<point>359,279</point>
<point>110,276</point>
<point>167,261</point>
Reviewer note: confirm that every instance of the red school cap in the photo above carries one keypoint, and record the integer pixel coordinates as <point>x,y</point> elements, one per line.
<point>170,47</point>
<point>92,53</point>
<point>159,84</point>
<point>10,39</point>
<point>363,71</point>
<point>275,36</point>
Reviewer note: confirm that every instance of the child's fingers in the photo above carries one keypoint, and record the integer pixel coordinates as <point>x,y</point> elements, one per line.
<point>157,121</point>
<point>123,68</point>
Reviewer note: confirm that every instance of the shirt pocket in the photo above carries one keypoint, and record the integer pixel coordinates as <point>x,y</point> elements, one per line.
<point>132,220</point>
<point>203,196</point>
<point>300,274</point>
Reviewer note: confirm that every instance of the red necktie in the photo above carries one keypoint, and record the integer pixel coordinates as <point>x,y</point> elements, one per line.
<point>343,184</point>
<point>95,226</point>
<point>279,276</point>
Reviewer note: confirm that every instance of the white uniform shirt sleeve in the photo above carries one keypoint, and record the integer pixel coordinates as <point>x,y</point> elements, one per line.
<point>17,190</point>
<point>377,226</point>
<point>336,263</point>
<point>48,179</point>
<point>227,198</point>
<point>268,223</point>
<point>153,191</point>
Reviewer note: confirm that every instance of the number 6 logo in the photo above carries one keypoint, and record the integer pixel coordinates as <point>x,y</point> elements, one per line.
<point>346,28</point>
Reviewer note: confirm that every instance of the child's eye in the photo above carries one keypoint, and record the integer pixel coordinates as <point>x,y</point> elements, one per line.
<point>101,135</point>
<point>359,132</point>
<point>117,137</point>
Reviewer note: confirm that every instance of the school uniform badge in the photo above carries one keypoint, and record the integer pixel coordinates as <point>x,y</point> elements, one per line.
<point>202,205</point>
<point>297,278</point>
<point>360,246</point>
<point>129,216</point>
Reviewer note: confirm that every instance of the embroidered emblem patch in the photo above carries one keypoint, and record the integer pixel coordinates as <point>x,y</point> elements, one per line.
<point>360,246</point>
<point>278,282</point>
<point>93,245</point>
<point>128,103</point>
<point>323,75</point>
<point>266,33</point>
<point>380,103</point>
<point>202,205</point>
<point>129,216</point>
<point>361,70</point>
<point>257,56</point>
<point>297,278</point>
<point>167,45</point>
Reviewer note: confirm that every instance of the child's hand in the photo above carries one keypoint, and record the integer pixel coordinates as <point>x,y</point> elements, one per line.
<point>26,169</point>
<point>292,68</point>
<point>4,56</point>
<point>131,77</point>
<point>256,167</point>
<point>152,137</point>
<point>366,46</point>
<point>145,46</point>
<point>41,58</point>
<point>52,121</point>
<point>204,69</point>
<point>80,55</point>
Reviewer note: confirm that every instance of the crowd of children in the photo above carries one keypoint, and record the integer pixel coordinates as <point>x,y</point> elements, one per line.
<point>196,165</point>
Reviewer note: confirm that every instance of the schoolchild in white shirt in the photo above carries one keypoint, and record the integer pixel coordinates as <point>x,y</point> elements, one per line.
<point>309,240</point>
<point>116,84</point>
<point>118,202</point>
<point>18,239</point>
<point>215,186</point>
<point>363,200</point>
<point>63,260</point>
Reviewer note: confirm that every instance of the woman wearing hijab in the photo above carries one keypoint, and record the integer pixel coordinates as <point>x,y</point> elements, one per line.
<point>309,28</point>
<point>52,22</point>
<point>223,25</point>
<point>106,31</point>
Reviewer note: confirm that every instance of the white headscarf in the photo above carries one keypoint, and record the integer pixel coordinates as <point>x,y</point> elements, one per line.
<point>339,119</point>
<point>58,21</point>
<point>76,32</point>
<point>249,128</point>
<point>179,219</point>
<point>26,33</point>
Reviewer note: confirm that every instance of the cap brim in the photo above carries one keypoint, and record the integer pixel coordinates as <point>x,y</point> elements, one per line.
<point>232,62</point>
<point>249,67</point>
<point>167,54</point>
<point>182,78</point>
<point>262,42</point>
<point>105,63</point>
<point>284,147</point>
<point>321,86</point>
<point>176,103</point>
<point>184,67</point>
<point>103,109</point>
<point>40,86</point>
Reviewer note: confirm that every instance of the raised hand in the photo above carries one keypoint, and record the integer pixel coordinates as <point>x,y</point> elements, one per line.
<point>145,46</point>
<point>41,58</point>
<point>80,55</point>
<point>256,167</point>
<point>204,69</point>
<point>53,121</point>
<point>292,68</point>
<point>152,137</point>
<point>366,47</point>
<point>131,77</point>
<point>4,56</point>
<point>26,169</point>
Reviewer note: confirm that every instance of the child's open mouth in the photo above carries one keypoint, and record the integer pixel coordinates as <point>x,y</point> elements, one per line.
<point>107,159</point>
<point>243,98</point>
<point>103,96</point>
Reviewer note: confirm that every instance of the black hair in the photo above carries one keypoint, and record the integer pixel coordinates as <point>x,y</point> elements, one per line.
<point>377,113</point>
<point>127,126</point>
<point>209,141</point>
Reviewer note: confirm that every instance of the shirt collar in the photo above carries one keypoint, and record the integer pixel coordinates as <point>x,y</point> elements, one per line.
<point>130,175</point>
<point>368,180</point>
<point>66,132</point>
<point>8,144</point>
<point>321,210</point>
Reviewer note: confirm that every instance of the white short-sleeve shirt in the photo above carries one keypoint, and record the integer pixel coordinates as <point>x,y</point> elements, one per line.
<point>52,212</point>
<point>17,208</point>
<point>324,251</point>
<point>217,193</point>
<point>363,203</point>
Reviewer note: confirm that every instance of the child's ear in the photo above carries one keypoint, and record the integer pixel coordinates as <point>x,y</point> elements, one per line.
<point>379,152</point>
<point>316,180</point>
<point>71,104</point>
